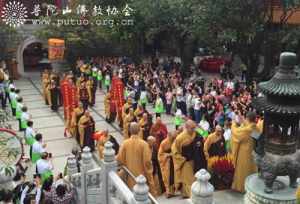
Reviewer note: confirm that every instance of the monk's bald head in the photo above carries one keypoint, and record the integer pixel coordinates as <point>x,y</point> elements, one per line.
<point>190,126</point>
<point>134,128</point>
<point>219,130</point>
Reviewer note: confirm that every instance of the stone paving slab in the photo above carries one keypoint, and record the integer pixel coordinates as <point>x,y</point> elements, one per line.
<point>41,113</point>
<point>48,122</point>
<point>61,147</point>
<point>53,134</point>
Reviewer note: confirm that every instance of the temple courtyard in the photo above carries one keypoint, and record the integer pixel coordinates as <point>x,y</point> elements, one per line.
<point>51,125</point>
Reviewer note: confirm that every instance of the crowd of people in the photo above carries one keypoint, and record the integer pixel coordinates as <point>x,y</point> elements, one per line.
<point>212,118</point>
<point>44,187</point>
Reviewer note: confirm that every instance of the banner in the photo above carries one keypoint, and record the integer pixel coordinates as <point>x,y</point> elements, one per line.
<point>56,49</point>
<point>65,92</point>
<point>70,98</point>
<point>117,94</point>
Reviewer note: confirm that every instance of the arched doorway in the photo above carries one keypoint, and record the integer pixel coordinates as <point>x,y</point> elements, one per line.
<point>32,55</point>
<point>28,43</point>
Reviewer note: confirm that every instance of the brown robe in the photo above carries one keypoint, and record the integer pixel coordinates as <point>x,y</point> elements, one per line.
<point>138,149</point>
<point>242,145</point>
<point>128,119</point>
<point>166,165</point>
<point>86,128</point>
<point>184,170</point>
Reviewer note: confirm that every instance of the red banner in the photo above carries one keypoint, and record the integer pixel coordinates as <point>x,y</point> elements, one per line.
<point>70,98</point>
<point>117,94</point>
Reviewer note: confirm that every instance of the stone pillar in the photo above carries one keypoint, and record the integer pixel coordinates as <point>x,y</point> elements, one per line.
<point>141,190</point>
<point>86,159</point>
<point>109,164</point>
<point>71,165</point>
<point>86,165</point>
<point>202,190</point>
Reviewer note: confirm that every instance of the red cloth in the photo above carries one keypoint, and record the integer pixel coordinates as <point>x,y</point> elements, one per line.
<point>117,95</point>
<point>70,98</point>
<point>98,135</point>
<point>212,64</point>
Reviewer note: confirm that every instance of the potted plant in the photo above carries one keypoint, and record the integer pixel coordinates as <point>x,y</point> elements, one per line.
<point>222,171</point>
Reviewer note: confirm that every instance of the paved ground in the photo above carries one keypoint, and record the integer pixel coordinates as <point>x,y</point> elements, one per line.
<point>51,125</point>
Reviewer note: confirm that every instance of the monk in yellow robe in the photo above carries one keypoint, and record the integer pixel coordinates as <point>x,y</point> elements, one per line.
<point>125,110</point>
<point>104,137</point>
<point>128,119</point>
<point>48,92</point>
<point>90,87</point>
<point>157,175</point>
<point>166,164</point>
<point>242,145</point>
<point>184,170</point>
<point>138,113</point>
<point>86,127</point>
<point>144,127</point>
<point>214,145</point>
<point>76,115</point>
<point>138,149</point>
<point>79,81</point>
<point>45,82</point>
<point>107,107</point>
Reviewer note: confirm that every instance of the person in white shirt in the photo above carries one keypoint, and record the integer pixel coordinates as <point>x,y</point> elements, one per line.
<point>12,98</point>
<point>169,101</point>
<point>30,133</point>
<point>11,85</point>
<point>30,136</point>
<point>189,103</point>
<point>180,100</point>
<point>227,133</point>
<point>44,165</point>
<point>25,117</point>
<point>204,124</point>
<point>143,98</point>
<point>37,148</point>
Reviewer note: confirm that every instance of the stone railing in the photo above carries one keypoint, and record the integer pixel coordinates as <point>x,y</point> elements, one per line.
<point>104,186</point>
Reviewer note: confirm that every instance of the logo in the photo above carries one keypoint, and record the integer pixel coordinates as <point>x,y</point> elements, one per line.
<point>14,14</point>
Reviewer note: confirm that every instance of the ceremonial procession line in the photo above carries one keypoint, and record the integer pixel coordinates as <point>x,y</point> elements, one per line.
<point>51,125</point>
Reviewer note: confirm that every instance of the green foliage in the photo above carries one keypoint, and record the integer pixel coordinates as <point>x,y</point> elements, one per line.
<point>7,35</point>
<point>209,22</point>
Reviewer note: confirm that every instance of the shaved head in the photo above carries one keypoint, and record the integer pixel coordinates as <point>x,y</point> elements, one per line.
<point>134,128</point>
<point>190,126</point>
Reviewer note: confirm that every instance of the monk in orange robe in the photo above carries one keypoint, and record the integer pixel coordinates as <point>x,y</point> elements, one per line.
<point>159,131</point>
<point>138,149</point>
<point>242,145</point>
<point>166,164</point>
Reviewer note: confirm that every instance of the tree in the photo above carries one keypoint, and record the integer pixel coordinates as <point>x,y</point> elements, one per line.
<point>82,39</point>
<point>7,35</point>
<point>249,27</point>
